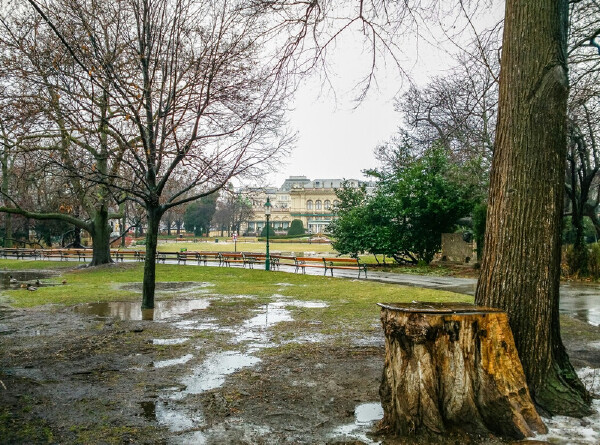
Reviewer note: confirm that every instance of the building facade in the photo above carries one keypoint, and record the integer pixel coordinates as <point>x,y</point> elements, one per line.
<point>312,202</point>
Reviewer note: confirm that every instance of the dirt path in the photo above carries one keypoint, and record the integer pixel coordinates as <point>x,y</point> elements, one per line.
<point>213,371</point>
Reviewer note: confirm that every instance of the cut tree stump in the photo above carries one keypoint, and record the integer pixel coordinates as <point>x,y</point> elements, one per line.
<point>453,367</point>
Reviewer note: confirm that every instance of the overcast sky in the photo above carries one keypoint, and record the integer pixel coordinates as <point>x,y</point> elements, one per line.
<point>335,138</point>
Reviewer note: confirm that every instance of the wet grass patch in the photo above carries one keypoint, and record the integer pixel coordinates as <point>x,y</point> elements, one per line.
<point>18,423</point>
<point>351,303</point>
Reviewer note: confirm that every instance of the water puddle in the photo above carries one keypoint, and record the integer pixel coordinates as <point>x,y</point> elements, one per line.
<point>254,333</point>
<point>257,328</point>
<point>175,418</point>
<point>169,341</point>
<point>212,373</point>
<point>365,416</point>
<point>562,430</point>
<point>127,310</point>
<point>174,361</point>
<point>15,279</point>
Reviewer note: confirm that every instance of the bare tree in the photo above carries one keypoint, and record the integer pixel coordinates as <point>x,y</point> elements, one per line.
<point>68,129</point>
<point>191,92</point>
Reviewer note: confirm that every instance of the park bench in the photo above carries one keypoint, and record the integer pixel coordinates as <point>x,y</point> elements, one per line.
<point>252,258</point>
<point>284,260</point>
<point>54,253</point>
<point>19,253</point>
<point>304,262</point>
<point>132,255</point>
<point>344,264</point>
<point>82,254</point>
<point>227,259</point>
<point>183,256</point>
<point>200,257</point>
<point>205,257</point>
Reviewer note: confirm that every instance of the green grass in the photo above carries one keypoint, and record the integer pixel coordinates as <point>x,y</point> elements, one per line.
<point>347,298</point>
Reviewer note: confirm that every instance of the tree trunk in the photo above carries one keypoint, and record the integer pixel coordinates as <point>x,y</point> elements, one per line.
<point>100,233</point>
<point>149,284</point>
<point>521,262</point>
<point>123,227</point>
<point>453,367</point>
<point>8,230</point>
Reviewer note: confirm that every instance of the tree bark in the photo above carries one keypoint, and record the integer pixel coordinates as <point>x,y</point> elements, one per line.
<point>149,284</point>
<point>453,367</point>
<point>521,262</point>
<point>100,234</point>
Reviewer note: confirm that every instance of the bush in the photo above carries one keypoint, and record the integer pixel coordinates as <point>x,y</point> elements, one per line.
<point>296,228</point>
<point>264,231</point>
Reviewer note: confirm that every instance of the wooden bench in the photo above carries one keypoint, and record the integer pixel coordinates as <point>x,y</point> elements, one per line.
<point>133,255</point>
<point>344,264</point>
<point>20,253</point>
<point>252,258</point>
<point>227,259</point>
<point>205,257</point>
<point>284,260</point>
<point>200,257</point>
<point>304,262</point>
<point>54,253</point>
<point>82,254</point>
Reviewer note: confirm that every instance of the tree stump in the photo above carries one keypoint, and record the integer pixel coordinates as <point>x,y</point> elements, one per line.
<point>453,367</point>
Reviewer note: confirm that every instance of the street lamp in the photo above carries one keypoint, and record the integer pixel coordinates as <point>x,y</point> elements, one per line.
<point>268,214</point>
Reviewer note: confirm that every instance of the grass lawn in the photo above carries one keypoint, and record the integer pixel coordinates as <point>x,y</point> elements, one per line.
<point>347,299</point>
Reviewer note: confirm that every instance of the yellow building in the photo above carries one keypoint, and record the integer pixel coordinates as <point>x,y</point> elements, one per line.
<point>312,202</point>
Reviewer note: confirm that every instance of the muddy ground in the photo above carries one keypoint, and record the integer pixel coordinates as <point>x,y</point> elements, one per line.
<point>216,370</point>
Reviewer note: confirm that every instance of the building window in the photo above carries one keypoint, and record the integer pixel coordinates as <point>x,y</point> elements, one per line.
<point>318,204</point>
<point>309,205</point>
<point>327,204</point>
<point>336,203</point>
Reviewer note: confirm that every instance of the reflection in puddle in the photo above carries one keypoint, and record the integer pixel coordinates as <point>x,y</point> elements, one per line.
<point>365,416</point>
<point>570,430</point>
<point>175,418</point>
<point>256,328</point>
<point>212,373</point>
<point>127,310</point>
<point>35,278</point>
<point>169,341</point>
<point>149,410</point>
<point>174,361</point>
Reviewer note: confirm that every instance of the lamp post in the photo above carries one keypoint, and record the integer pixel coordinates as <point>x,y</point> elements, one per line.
<point>268,214</point>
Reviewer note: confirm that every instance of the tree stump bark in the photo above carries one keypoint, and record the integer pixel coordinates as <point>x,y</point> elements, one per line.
<point>453,368</point>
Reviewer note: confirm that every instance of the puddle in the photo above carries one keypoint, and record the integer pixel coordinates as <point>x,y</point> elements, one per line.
<point>365,416</point>
<point>148,410</point>
<point>127,310</point>
<point>169,341</point>
<point>174,361</point>
<point>25,277</point>
<point>256,328</point>
<point>200,326</point>
<point>175,418</point>
<point>569,430</point>
<point>212,373</point>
